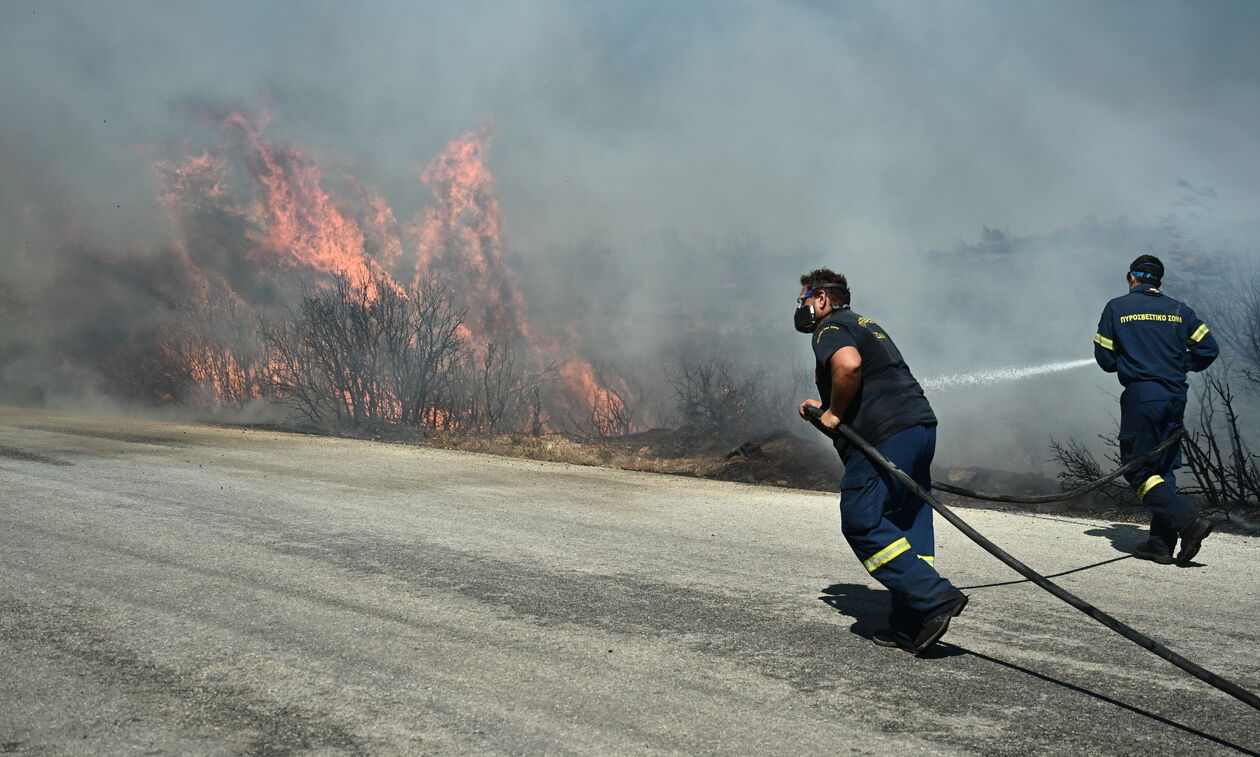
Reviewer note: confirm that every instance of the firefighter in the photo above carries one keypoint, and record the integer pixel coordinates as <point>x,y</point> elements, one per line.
<point>1150,340</point>
<point>864,382</point>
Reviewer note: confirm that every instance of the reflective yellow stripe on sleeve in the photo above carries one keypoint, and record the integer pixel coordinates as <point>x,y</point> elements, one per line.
<point>1199,333</point>
<point>886,554</point>
<point>1149,484</point>
<point>1104,342</point>
<point>931,559</point>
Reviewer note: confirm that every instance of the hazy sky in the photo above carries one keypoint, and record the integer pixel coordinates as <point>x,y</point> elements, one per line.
<point>886,126</point>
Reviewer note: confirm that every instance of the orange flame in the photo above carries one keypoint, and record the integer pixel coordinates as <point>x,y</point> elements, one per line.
<point>461,242</point>
<point>294,222</point>
<point>302,226</point>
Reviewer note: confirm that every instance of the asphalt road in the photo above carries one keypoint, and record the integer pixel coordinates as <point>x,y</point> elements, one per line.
<point>183,589</point>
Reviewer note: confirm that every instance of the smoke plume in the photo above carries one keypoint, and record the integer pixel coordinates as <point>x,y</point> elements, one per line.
<point>620,185</point>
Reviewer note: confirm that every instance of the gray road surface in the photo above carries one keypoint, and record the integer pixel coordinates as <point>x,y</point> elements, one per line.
<point>183,589</point>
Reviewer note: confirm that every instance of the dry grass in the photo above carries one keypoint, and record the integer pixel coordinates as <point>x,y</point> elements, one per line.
<point>780,460</point>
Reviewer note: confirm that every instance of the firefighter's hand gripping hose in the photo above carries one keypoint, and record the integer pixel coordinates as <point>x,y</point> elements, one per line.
<point>1142,640</point>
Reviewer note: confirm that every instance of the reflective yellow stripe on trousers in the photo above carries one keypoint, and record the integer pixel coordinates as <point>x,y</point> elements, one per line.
<point>1149,484</point>
<point>886,554</point>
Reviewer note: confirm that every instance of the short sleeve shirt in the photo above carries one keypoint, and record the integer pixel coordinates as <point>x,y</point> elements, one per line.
<point>889,399</point>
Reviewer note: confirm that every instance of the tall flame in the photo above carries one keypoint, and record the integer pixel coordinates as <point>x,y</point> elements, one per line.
<point>302,226</point>
<point>461,237</point>
<point>461,243</point>
<point>293,222</point>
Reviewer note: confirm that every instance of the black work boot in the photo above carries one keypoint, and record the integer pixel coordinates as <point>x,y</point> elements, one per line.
<point>1192,538</point>
<point>1147,550</point>
<point>936,626</point>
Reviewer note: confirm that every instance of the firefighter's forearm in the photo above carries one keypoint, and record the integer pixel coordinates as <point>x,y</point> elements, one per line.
<point>845,366</point>
<point>843,387</point>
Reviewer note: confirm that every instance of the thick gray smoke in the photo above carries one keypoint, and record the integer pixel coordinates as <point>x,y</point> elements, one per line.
<point>982,171</point>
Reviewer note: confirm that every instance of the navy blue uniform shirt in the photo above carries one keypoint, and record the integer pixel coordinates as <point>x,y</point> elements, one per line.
<point>1146,335</point>
<point>889,399</point>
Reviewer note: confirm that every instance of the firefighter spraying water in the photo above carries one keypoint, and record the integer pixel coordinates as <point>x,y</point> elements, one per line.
<point>1150,341</point>
<point>884,429</point>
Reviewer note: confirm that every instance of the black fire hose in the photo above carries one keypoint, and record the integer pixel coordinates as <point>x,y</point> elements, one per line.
<point>1061,496</point>
<point>1142,640</point>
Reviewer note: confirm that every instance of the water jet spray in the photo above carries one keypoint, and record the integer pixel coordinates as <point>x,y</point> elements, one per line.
<point>1001,375</point>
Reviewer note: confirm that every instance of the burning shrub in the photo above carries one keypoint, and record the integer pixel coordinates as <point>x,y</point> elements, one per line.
<point>612,413</point>
<point>356,357</point>
<point>264,236</point>
<point>490,390</point>
<point>605,411</point>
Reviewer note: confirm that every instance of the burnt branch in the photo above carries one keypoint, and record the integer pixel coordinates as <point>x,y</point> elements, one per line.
<point>1080,468</point>
<point>1227,479</point>
<point>1224,477</point>
<point>360,356</point>
<point>719,398</point>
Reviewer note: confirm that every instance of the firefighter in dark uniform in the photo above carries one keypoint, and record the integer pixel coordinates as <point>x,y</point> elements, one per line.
<point>1150,340</point>
<point>864,382</point>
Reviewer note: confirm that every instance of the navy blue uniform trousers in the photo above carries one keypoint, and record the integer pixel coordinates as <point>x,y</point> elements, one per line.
<point>890,529</point>
<point>1149,414</point>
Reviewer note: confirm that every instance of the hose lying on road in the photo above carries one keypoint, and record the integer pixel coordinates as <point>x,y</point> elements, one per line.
<point>1142,640</point>
<point>1061,496</point>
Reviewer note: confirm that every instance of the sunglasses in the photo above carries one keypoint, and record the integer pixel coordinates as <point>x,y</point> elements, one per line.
<point>801,300</point>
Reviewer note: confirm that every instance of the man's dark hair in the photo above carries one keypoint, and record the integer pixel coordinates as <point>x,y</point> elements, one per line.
<point>1147,269</point>
<point>836,284</point>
